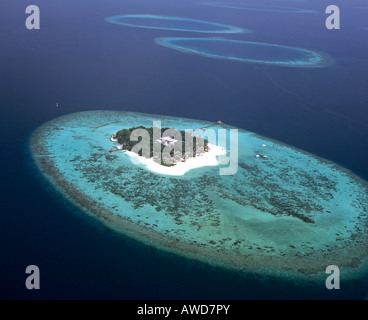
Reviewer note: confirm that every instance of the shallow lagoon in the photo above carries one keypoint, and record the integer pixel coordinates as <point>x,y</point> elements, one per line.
<point>289,215</point>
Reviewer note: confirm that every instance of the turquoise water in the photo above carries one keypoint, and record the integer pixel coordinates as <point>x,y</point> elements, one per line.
<point>173,23</point>
<point>247,51</point>
<point>290,215</point>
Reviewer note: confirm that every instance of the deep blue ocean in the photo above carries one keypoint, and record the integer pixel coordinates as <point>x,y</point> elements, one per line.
<point>84,63</point>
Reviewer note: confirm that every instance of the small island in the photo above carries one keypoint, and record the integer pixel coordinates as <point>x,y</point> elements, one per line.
<point>198,145</point>
<point>184,150</point>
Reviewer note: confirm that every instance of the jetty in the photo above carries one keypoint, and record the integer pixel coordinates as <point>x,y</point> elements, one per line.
<point>106,124</point>
<point>214,124</point>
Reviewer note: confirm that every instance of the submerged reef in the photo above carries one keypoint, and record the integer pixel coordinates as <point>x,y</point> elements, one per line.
<point>286,214</point>
<point>257,7</point>
<point>149,21</point>
<point>247,51</point>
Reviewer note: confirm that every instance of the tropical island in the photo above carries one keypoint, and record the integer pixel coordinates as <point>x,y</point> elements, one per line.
<point>198,145</point>
<point>289,216</point>
<point>171,154</point>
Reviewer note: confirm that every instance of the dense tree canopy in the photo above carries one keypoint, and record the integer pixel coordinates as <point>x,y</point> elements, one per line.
<point>199,145</point>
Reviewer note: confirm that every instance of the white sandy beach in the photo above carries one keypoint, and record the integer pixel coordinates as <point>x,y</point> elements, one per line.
<point>206,159</point>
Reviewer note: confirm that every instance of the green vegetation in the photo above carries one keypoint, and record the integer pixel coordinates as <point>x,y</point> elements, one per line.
<point>123,137</point>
